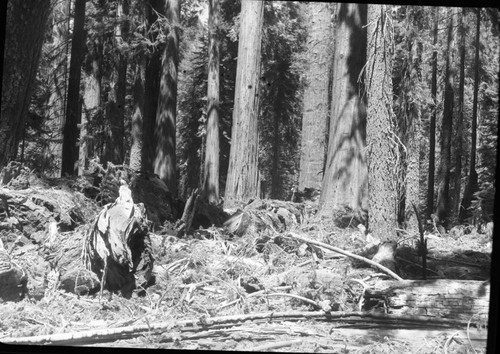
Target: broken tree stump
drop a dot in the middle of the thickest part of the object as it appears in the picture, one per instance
(442, 298)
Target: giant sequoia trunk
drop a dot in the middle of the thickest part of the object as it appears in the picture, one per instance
(242, 176)
(379, 128)
(432, 131)
(443, 206)
(69, 163)
(345, 178)
(211, 163)
(314, 119)
(25, 29)
(116, 102)
(164, 162)
(472, 181)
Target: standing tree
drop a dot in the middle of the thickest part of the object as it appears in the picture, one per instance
(164, 161)
(25, 29)
(472, 181)
(432, 133)
(345, 177)
(442, 211)
(211, 163)
(70, 131)
(315, 116)
(242, 176)
(380, 135)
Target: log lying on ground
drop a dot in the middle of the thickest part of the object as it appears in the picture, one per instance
(441, 298)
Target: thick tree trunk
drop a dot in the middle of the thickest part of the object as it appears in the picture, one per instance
(315, 116)
(242, 176)
(432, 132)
(116, 100)
(345, 178)
(472, 182)
(151, 89)
(69, 163)
(25, 29)
(457, 185)
(414, 48)
(59, 75)
(164, 162)
(137, 128)
(379, 129)
(443, 206)
(211, 163)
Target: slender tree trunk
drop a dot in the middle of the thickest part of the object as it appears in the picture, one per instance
(432, 133)
(379, 128)
(70, 131)
(414, 48)
(59, 75)
(24, 34)
(116, 101)
(211, 163)
(443, 206)
(242, 176)
(151, 89)
(315, 116)
(459, 143)
(345, 178)
(472, 182)
(164, 163)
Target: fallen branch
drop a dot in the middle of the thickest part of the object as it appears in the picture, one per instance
(276, 345)
(346, 253)
(112, 334)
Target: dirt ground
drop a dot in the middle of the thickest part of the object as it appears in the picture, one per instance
(261, 291)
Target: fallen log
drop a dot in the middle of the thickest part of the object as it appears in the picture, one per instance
(454, 299)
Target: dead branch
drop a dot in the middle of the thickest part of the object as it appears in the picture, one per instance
(346, 253)
(276, 345)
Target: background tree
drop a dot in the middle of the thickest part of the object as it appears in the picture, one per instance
(345, 178)
(164, 161)
(443, 206)
(315, 117)
(25, 29)
(211, 163)
(69, 163)
(380, 133)
(242, 177)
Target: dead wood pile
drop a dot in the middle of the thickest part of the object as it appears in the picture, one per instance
(118, 247)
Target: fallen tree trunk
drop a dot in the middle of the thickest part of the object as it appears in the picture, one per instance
(453, 299)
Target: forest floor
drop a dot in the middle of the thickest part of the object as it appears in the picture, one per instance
(214, 290)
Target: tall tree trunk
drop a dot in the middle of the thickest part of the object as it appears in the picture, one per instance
(345, 178)
(151, 89)
(211, 163)
(137, 128)
(118, 85)
(24, 34)
(459, 137)
(242, 176)
(412, 112)
(443, 207)
(59, 75)
(432, 133)
(69, 163)
(164, 163)
(91, 103)
(382, 177)
(315, 116)
(472, 181)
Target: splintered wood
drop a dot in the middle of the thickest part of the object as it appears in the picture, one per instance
(454, 299)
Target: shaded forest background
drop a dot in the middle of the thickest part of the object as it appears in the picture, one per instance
(443, 84)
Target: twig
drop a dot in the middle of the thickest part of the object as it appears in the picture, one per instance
(415, 264)
(349, 254)
(275, 345)
(448, 342)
